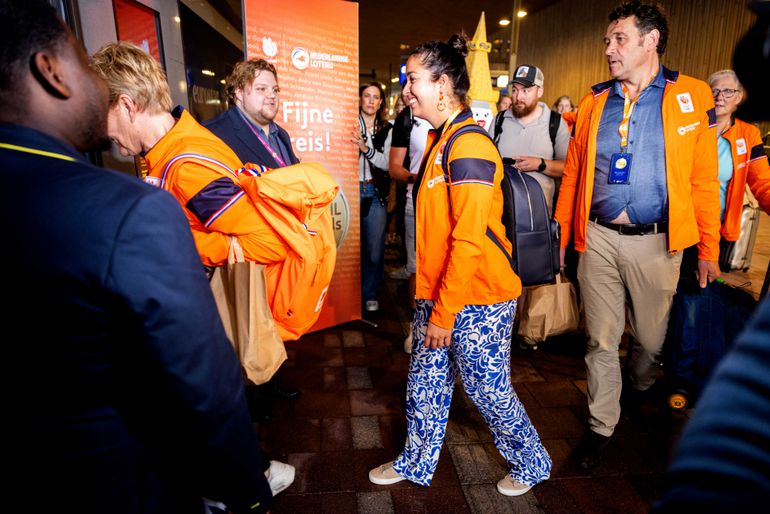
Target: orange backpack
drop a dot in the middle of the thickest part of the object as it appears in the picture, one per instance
(296, 200)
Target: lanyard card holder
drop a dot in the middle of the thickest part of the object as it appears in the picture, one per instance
(620, 166)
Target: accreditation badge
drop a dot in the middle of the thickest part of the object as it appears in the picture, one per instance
(620, 166)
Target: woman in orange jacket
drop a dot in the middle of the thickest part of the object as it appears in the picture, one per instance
(466, 288)
(742, 158)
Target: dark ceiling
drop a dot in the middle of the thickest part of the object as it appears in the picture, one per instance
(386, 25)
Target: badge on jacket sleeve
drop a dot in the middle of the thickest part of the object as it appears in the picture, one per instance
(153, 181)
(685, 102)
(740, 146)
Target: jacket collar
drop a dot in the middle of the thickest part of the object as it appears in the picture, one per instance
(33, 141)
(671, 77)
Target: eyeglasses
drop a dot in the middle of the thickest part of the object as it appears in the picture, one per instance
(727, 93)
(262, 90)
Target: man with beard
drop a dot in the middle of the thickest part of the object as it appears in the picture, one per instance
(524, 134)
(125, 393)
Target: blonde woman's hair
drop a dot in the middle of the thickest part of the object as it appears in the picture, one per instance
(129, 70)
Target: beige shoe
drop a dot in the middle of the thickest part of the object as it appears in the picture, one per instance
(385, 475)
(408, 341)
(510, 487)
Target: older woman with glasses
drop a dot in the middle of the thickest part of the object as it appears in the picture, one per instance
(742, 157)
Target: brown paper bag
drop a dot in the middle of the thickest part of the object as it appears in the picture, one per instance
(241, 297)
(548, 310)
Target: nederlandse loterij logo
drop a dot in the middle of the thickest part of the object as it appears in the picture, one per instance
(300, 58)
(269, 47)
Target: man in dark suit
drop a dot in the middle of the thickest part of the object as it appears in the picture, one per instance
(121, 390)
(248, 128)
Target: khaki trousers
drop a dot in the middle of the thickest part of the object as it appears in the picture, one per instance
(618, 273)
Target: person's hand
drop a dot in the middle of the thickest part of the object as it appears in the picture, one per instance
(358, 139)
(562, 254)
(527, 163)
(437, 337)
(708, 271)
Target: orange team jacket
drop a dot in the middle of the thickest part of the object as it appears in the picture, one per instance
(750, 165)
(689, 126)
(457, 262)
(200, 170)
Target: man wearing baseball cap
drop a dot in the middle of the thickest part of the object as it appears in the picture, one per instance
(530, 133)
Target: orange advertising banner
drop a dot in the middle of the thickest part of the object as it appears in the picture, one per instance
(314, 46)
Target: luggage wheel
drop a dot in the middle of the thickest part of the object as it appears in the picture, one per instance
(677, 400)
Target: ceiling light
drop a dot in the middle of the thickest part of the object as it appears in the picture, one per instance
(521, 14)
(394, 80)
(222, 81)
(208, 73)
(504, 22)
(177, 19)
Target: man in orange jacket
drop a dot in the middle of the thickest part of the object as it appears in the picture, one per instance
(640, 185)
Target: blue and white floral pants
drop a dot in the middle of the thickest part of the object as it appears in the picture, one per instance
(481, 352)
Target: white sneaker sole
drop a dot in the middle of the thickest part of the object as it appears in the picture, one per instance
(512, 492)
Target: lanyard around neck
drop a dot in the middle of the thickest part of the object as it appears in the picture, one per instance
(278, 159)
(628, 109)
(35, 151)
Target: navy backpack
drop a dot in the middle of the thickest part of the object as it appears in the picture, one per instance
(528, 224)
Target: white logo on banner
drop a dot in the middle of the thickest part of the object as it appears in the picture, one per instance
(269, 47)
(300, 58)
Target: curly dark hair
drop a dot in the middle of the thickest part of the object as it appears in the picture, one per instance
(243, 75)
(648, 16)
(447, 58)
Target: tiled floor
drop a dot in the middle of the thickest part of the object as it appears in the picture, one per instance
(350, 418)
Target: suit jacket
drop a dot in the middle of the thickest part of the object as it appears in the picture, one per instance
(233, 130)
(125, 394)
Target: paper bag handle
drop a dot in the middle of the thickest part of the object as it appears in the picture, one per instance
(235, 253)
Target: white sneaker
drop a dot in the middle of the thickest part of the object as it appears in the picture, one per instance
(510, 487)
(280, 476)
(385, 475)
(408, 341)
(372, 305)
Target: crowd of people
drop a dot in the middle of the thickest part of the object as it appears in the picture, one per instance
(151, 410)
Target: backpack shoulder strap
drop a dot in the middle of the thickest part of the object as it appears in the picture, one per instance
(462, 130)
(498, 126)
(553, 127)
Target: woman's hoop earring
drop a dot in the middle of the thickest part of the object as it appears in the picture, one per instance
(441, 104)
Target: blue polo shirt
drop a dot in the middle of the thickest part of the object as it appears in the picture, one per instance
(645, 197)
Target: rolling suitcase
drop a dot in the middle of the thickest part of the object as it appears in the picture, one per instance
(736, 255)
(702, 327)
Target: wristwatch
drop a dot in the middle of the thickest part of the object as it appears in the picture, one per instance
(541, 168)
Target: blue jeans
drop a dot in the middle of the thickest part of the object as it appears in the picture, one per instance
(373, 227)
